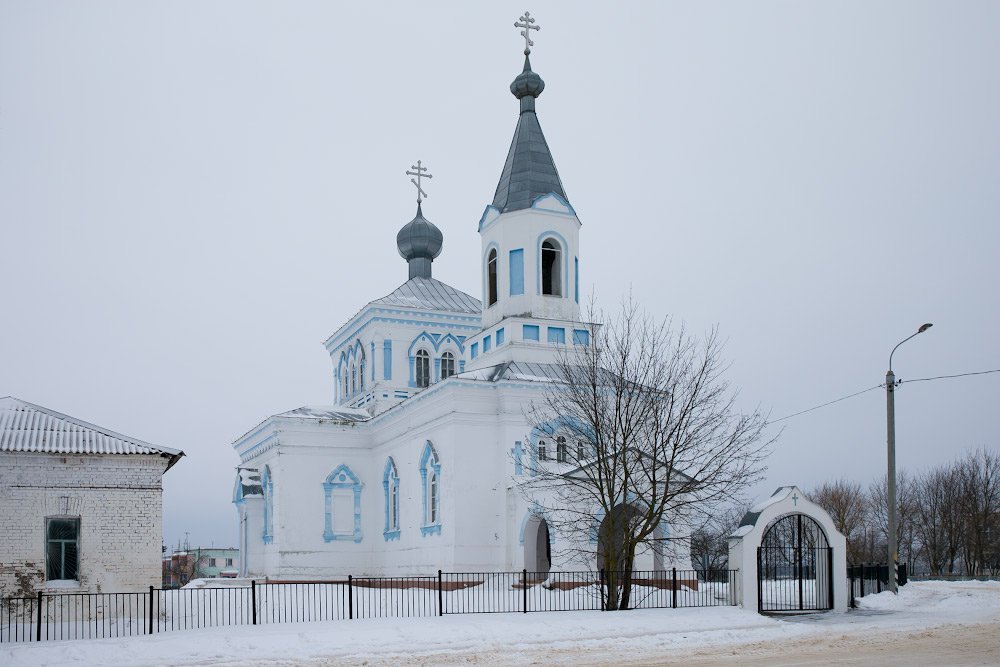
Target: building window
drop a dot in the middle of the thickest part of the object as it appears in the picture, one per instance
(354, 379)
(561, 449)
(499, 336)
(551, 273)
(580, 452)
(517, 272)
(390, 485)
(542, 454)
(423, 368)
(62, 553)
(557, 335)
(474, 351)
(361, 372)
(342, 497)
(447, 365)
(529, 332)
(344, 397)
(487, 344)
(229, 562)
(211, 562)
(491, 277)
(430, 477)
(581, 337)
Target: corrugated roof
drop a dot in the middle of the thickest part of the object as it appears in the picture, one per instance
(520, 371)
(26, 427)
(324, 413)
(431, 294)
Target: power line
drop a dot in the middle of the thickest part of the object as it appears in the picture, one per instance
(842, 398)
(944, 377)
(880, 386)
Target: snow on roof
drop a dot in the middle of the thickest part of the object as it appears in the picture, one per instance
(520, 371)
(249, 480)
(431, 294)
(328, 413)
(26, 427)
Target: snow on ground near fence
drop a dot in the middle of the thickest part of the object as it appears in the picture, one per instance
(589, 636)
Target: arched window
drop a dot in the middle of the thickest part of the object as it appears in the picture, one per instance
(354, 379)
(581, 452)
(423, 368)
(390, 484)
(361, 372)
(561, 449)
(447, 365)
(430, 476)
(267, 486)
(551, 271)
(491, 277)
(342, 505)
(542, 453)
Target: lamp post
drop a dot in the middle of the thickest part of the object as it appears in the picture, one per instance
(890, 414)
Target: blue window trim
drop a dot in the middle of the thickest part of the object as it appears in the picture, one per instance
(576, 279)
(387, 359)
(530, 332)
(516, 264)
(518, 453)
(429, 459)
(500, 336)
(564, 263)
(390, 480)
(487, 344)
(581, 337)
(342, 478)
(267, 485)
(474, 351)
(556, 335)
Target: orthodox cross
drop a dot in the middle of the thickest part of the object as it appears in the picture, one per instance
(526, 22)
(418, 171)
(795, 499)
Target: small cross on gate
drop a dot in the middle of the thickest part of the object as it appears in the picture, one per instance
(795, 500)
(526, 22)
(418, 171)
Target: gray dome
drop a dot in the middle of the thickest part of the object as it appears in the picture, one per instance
(527, 82)
(419, 238)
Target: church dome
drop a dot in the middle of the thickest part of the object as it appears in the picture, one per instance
(527, 82)
(419, 238)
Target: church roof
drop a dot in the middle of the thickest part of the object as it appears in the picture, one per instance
(26, 427)
(517, 371)
(529, 171)
(325, 413)
(430, 294)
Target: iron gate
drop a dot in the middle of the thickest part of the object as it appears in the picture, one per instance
(794, 566)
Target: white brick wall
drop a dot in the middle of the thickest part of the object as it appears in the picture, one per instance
(118, 501)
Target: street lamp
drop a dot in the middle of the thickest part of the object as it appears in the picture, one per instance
(890, 413)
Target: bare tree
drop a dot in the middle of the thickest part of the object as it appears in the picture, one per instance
(644, 429)
(847, 505)
(710, 542)
(906, 505)
(980, 501)
(938, 520)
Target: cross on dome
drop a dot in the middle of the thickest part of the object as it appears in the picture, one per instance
(527, 22)
(418, 171)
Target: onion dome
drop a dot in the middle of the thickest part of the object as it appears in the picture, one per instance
(527, 85)
(419, 242)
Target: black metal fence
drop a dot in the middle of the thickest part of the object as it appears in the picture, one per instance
(97, 615)
(872, 578)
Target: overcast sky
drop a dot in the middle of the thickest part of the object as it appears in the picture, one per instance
(194, 195)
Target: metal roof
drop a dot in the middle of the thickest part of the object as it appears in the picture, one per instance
(430, 294)
(529, 171)
(26, 427)
(323, 413)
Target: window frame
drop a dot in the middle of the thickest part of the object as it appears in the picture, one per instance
(61, 569)
(550, 259)
(422, 357)
(447, 365)
(492, 278)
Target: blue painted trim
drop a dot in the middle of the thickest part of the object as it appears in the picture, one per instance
(557, 197)
(500, 336)
(390, 483)
(536, 510)
(429, 459)
(576, 279)
(556, 335)
(430, 317)
(387, 359)
(486, 276)
(485, 212)
(518, 452)
(530, 332)
(564, 251)
(267, 485)
(474, 350)
(373, 361)
(437, 370)
(487, 344)
(581, 337)
(516, 264)
(342, 478)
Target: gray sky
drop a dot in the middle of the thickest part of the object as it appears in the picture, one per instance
(194, 195)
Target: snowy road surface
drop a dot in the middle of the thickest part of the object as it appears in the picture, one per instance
(930, 623)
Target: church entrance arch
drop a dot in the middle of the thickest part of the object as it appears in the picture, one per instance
(794, 566)
(537, 546)
(615, 526)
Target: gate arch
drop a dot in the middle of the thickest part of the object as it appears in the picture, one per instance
(794, 566)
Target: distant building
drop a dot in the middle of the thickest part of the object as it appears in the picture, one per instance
(181, 567)
(80, 505)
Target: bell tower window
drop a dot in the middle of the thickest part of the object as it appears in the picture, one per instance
(423, 368)
(551, 274)
(491, 277)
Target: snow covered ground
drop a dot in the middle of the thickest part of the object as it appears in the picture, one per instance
(929, 623)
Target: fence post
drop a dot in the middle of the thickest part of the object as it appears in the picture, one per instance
(38, 630)
(673, 587)
(440, 596)
(604, 600)
(350, 597)
(150, 610)
(524, 585)
(253, 600)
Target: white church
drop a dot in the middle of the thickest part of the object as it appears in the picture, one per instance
(420, 463)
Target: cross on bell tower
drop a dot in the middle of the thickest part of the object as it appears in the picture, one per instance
(527, 23)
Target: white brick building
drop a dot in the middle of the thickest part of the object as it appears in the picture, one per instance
(80, 505)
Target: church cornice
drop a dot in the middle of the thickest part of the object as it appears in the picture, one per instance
(404, 316)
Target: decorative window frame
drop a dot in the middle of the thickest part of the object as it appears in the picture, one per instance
(429, 461)
(390, 485)
(562, 264)
(341, 478)
(267, 486)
